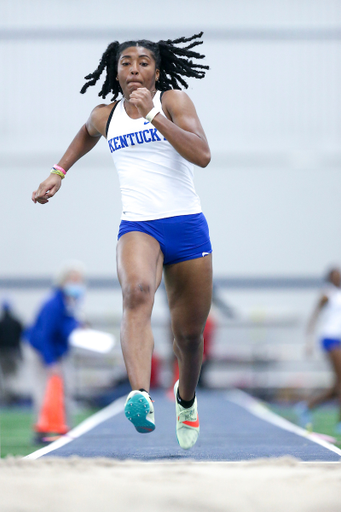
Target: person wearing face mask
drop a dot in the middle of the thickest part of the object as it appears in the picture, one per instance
(48, 338)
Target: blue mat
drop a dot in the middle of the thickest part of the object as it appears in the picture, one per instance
(229, 432)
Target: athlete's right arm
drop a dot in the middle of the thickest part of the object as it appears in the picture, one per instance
(85, 140)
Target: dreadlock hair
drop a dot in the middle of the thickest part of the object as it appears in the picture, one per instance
(173, 61)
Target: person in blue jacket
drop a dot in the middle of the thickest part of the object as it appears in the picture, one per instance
(53, 326)
(48, 337)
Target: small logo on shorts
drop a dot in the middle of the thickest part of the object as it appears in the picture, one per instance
(205, 254)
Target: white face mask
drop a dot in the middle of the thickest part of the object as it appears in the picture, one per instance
(74, 291)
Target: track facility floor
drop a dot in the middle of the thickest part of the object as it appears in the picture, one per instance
(234, 427)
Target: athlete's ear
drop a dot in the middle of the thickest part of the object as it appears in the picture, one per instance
(157, 75)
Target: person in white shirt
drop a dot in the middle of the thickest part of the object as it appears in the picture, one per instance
(328, 314)
(155, 137)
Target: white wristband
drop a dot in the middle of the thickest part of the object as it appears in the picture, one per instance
(150, 116)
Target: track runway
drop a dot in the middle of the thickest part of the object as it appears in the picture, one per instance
(234, 427)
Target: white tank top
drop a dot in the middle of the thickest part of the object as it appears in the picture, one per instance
(330, 326)
(156, 182)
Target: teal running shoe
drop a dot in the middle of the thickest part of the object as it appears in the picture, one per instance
(139, 409)
(337, 429)
(304, 415)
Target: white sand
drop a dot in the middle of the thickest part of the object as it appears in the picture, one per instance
(101, 485)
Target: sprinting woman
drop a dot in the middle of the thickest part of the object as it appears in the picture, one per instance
(155, 137)
(328, 311)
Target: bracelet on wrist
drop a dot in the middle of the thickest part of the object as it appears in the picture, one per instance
(150, 116)
(56, 169)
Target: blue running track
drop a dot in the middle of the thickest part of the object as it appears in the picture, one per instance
(230, 431)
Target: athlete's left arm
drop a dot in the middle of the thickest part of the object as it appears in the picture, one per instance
(183, 130)
(181, 127)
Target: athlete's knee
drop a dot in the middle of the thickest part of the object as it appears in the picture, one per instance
(188, 339)
(137, 294)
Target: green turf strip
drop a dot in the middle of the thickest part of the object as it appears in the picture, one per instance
(16, 434)
(324, 419)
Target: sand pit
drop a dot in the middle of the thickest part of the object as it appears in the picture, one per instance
(84, 485)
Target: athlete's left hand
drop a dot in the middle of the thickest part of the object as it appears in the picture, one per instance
(141, 98)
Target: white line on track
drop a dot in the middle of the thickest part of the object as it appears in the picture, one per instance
(86, 425)
(258, 409)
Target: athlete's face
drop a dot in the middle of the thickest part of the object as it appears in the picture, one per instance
(136, 68)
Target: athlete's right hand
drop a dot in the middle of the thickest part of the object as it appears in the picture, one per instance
(47, 189)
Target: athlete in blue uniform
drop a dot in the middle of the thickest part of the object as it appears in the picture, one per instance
(155, 142)
(328, 313)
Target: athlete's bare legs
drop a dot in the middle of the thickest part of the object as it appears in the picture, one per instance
(139, 268)
(189, 291)
(335, 390)
(335, 357)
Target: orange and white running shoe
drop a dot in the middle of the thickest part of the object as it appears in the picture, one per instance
(139, 409)
(187, 422)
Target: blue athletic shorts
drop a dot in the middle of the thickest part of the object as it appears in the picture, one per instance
(329, 344)
(181, 238)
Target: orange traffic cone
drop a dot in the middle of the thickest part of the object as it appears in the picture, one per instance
(52, 415)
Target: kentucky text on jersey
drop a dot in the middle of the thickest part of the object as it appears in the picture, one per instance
(131, 139)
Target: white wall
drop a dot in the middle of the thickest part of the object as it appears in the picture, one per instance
(270, 106)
